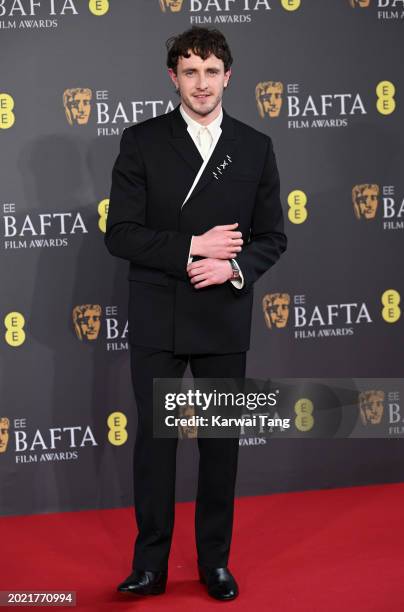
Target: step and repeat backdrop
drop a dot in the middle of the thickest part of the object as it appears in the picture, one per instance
(325, 81)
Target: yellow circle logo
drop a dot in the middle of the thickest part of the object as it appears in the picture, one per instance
(15, 334)
(98, 7)
(117, 434)
(385, 91)
(297, 212)
(391, 311)
(7, 117)
(291, 5)
(304, 420)
(103, 213)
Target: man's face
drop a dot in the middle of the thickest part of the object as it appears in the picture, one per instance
(173, 5)
(366, 202)
(90, 324)
(277, 311)
(80, 107)
(271, 99)
(4, 427)
(372, 408)
(360, 3)
(200, 83)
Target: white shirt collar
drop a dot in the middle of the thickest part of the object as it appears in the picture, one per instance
(194, 126)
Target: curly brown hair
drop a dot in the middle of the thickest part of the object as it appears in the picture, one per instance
(202, 42)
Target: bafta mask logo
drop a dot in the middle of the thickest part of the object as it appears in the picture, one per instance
(371, 407)
(268, 95)
(87, 321)
(77, 103)
(173, 5)
(187, 431)
(4, 433)
(359, 3)
(365, 200)
(276, 309)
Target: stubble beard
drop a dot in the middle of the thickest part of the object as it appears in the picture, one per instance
(202, 112)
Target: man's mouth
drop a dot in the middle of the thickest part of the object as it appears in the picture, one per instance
(201, 96)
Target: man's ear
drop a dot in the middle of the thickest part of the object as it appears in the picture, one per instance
(173, 77)
(227, 76)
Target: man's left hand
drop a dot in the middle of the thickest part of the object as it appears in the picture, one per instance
(209, 271)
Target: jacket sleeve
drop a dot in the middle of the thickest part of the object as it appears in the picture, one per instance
(127, 235)
(267, 240)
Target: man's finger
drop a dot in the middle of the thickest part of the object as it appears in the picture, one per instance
(194, 273)
(233, 235)
(227, 227)
(204, 283)
(198, 277)
(195, 266)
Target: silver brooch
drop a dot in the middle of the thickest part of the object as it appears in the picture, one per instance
(221, 167)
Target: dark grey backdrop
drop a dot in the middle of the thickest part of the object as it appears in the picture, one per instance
(53, 380)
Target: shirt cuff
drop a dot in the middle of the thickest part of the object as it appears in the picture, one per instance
(238, 282)
(189, 252)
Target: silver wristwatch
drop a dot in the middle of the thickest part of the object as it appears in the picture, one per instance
(235, 270)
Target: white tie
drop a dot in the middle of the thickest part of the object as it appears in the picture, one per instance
(205, 141)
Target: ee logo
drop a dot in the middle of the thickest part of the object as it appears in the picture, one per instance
(290, 5)
(297, 201)
(385, 91)
(391, 311)
(14, 323)
(117, 434)
(103, 213)
(304, 420)
(7, 117)
(98, 7)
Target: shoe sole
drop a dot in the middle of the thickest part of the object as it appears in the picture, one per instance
(154, 591)
(203, 581)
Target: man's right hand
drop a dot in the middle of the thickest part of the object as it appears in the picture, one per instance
(220, 242)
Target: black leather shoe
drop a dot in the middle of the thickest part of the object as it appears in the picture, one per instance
(219, 581)
(144, 582)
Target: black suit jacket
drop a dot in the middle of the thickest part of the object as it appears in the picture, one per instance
(152, 175)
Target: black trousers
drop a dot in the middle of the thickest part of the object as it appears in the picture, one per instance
(154, 465)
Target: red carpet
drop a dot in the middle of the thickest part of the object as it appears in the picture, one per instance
(336, 550)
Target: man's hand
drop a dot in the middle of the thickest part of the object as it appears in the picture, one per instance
(209, 271)
(220, 242)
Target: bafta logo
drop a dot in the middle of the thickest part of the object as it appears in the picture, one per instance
(359, 3)
(365, 200)
(4, 433)
(87, 321)
(371, 407)
(173, 5)
(268, 95)
(276, 309)
(187, 431)
(77, 104)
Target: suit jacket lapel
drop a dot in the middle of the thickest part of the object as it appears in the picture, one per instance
(225, 149)
(182, 142)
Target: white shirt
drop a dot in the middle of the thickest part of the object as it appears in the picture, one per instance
(214, 130)
(194, 128)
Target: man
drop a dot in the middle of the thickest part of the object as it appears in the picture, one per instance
(192, 192)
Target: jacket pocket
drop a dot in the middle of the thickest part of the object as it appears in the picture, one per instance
(147, 275)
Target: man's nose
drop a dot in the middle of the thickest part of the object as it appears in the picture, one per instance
(202, 82)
